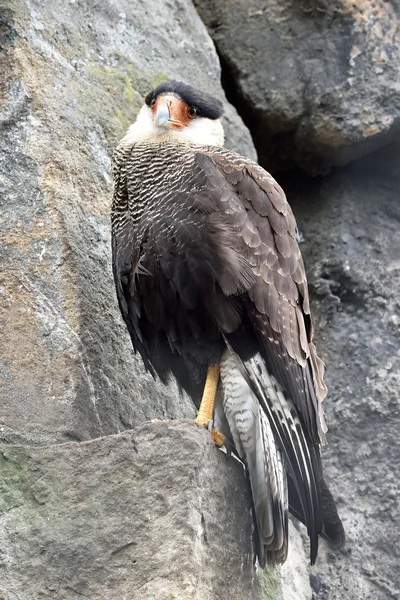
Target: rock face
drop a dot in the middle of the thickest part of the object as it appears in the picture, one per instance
(350, 225)
(76, 74)
(101, 518)
(135, 515)
(316, 81)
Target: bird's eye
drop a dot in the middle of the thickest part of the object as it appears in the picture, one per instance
(152, 103)
(192, 112)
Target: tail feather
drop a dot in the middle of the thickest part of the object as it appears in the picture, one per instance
(256, 445)
(289, 439)
(296, 448)
(284, 464)
(332, 527)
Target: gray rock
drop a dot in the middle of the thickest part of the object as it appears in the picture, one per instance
(316, 81)
(138, 515)
(350, 224)
(76, 73)
(294, 579)
(72, 513)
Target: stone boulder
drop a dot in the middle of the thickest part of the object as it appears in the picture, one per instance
(316, 81)
(138, 515)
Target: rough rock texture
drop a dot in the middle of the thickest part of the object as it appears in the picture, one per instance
(135, 515)
(351, 228)
(74, 517)
(75, 76)
(316, 81)
(293, 574)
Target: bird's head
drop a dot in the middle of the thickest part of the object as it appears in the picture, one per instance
(176, 110)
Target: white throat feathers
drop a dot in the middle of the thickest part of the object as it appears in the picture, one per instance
(201, 131)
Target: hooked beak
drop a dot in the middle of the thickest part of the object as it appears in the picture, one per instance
(162, 115)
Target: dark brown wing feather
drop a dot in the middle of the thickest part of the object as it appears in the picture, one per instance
(277, 305)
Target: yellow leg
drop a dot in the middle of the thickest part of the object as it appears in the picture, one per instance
(205, 414)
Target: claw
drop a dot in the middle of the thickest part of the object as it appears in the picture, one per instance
(218, 437)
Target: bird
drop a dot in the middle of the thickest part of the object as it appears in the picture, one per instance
(212, 287)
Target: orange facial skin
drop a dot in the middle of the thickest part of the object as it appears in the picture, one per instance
(180, 114)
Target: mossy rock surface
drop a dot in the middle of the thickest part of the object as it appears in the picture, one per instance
(136, 513)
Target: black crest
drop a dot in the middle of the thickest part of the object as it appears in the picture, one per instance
(206, 105)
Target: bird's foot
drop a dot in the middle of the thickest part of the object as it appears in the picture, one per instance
(217, 435)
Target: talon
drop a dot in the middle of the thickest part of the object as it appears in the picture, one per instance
(218, 437)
